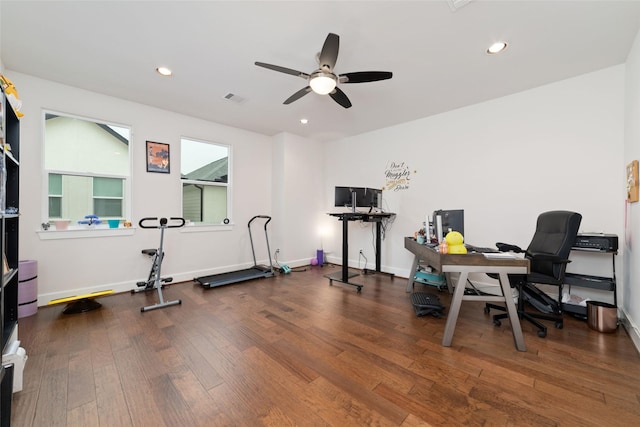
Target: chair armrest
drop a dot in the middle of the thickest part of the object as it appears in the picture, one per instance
(548, 257)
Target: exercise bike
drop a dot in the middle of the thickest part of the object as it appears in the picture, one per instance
(155, 280)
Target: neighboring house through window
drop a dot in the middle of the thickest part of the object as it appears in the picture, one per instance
(204, 169)
(87, 168)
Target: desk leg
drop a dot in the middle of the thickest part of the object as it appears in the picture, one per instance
(343, 275)
(412, 273)
(512, 310)
(447, 280)
(345, 250)
(452, 317)
(378, 249)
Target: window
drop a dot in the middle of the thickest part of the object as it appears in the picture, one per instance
(204, 169)
(87, 167)
(107, 197)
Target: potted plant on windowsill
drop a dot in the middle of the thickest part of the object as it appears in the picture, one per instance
(61, 224)
(90, 220)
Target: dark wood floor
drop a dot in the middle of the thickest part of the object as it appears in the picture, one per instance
(293, 350)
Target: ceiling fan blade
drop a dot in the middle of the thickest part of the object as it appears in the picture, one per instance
(283, 70)
(365, 76)
(329, 53)
(340, 97)
(299, 94)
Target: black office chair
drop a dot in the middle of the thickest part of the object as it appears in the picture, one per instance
(548, 254)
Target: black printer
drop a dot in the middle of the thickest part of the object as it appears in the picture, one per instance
(596, 242)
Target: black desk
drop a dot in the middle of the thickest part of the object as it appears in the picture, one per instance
(344, 275)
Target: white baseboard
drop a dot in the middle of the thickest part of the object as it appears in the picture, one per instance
(631, 328)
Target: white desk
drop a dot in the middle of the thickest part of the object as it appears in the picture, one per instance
(465, 264)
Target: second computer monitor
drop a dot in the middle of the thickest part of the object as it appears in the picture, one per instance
(364, 197)
(452, 219)
(373, 197)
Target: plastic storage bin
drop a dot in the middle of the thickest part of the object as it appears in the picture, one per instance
(18, 356)
(27, 288)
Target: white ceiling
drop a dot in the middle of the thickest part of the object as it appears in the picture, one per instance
(437, 56)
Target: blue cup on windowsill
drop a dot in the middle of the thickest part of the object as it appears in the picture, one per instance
(114, 223)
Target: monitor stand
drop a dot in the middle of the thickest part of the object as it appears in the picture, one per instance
(353, 202)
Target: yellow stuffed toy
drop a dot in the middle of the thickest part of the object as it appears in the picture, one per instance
(12, 94)
(456, 243)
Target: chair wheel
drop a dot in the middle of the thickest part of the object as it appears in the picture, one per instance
(497, 322)
(542, 334)
(559, 324)
(487, 310)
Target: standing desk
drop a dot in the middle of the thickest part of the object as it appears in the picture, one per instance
(344, 274)
(465, 264)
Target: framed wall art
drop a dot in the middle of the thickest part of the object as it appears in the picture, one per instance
(158, 157)
(632, 181)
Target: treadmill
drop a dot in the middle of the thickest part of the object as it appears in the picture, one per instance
(255, 272)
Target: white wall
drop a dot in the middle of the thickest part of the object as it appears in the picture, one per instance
(559, 146)
(70, 266)
(298, 198)
(631, 271)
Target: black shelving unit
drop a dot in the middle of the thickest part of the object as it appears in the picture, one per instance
(602, 283)
(9, 212)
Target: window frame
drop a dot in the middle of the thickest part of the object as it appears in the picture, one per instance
(127, 199)
(228, 185)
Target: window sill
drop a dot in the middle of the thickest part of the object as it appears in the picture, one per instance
(199, 228)
(84, 233)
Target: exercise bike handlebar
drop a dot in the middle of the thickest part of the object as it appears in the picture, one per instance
(162, 223)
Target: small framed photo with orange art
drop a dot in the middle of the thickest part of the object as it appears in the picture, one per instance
(158, 157)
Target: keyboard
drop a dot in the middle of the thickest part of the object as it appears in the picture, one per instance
(480, 249)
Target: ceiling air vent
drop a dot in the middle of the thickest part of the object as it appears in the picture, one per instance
(457, 4)
(235, 98)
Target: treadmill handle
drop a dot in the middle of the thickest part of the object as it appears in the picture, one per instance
(267, 217)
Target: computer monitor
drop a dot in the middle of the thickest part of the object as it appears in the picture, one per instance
(373, 198)
(347, 196)
(364, 197)
(452, 219)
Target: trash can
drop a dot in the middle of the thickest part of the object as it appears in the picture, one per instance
(27, 288)
(602, 316)
(18, 356)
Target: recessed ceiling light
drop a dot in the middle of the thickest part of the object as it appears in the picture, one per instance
(164, 71)
(304, 121)
(497, 47)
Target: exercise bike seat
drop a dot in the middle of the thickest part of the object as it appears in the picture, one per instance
(150, 252)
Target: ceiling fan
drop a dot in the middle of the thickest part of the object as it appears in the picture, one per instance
(324, 81)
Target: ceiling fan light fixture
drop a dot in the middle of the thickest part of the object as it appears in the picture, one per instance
(322, 83)
(323, 80)
(497, 47)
